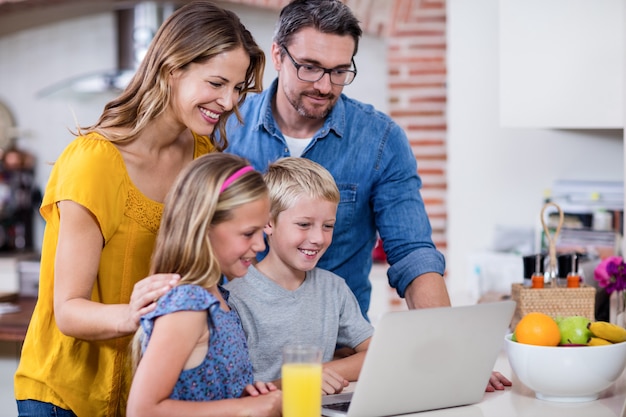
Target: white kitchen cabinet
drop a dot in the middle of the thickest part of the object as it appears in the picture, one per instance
(561, 63)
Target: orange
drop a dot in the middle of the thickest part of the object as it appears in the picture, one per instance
(538, 329)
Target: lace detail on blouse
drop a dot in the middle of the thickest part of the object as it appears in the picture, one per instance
(144, 211)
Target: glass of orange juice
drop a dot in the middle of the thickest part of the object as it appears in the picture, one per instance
(302, 381)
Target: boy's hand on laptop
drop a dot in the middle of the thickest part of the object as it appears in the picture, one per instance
(497, 381)
(332, 382)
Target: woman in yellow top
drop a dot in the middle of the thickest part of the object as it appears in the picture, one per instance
(103, 205)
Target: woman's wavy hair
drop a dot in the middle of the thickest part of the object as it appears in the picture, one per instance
(192, 207)
(194, 33)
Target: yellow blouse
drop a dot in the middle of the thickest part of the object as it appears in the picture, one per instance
(90, 378)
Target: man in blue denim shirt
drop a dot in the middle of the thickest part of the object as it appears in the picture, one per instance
(304, 113)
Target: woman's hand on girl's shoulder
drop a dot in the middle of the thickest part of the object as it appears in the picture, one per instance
(145, 295)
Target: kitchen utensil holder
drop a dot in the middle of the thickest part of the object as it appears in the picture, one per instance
(553, 301)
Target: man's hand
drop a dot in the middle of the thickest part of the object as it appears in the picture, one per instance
(497, 381)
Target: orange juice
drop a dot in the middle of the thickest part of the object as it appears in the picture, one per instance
(302, 389)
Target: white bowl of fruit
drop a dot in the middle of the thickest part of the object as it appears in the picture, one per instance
(569, 359)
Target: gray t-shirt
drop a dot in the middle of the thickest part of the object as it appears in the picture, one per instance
(322, 311)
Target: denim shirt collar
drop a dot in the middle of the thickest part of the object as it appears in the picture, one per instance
(335, 121)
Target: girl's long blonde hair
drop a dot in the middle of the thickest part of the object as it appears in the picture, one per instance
(192, 207)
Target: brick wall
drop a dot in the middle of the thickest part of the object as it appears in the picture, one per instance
(416, 34)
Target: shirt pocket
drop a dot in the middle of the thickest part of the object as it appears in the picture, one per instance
(347, 205)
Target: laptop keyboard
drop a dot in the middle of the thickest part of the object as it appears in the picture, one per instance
(338, 406)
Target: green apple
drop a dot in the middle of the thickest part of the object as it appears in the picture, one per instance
(574, 330)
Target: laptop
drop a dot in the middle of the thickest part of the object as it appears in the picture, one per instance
(426, 359)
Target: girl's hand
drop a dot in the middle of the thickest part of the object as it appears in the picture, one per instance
(258, 388)
(267, 405)
(332, 382)
(144, 296)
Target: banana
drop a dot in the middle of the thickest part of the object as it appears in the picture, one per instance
(596, 341)
(608, 331)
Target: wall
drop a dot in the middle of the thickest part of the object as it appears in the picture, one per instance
(418, 97)
(497, 176)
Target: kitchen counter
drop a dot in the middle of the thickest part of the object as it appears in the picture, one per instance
(520, 401)
(13, 325)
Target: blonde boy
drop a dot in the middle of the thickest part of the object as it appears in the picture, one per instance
(285, 298)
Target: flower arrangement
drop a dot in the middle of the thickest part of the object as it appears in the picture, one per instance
(611, 274)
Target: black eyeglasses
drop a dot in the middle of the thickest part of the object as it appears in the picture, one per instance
(312, 73)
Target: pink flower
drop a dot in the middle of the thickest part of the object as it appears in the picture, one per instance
(611, 274)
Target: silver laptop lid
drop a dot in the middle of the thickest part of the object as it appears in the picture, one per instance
(430, 359)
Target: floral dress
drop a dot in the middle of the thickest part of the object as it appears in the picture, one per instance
(226, 368)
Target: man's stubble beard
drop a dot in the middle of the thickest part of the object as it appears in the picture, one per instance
(297, 104)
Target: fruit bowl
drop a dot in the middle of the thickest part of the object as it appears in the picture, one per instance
(566, 373)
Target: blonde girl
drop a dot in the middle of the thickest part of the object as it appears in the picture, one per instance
(191, 350)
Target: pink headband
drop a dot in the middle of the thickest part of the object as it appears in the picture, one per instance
(235, 176)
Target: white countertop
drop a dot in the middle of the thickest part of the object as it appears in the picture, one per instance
(518, 401)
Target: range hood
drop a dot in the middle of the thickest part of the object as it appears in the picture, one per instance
(136, 27)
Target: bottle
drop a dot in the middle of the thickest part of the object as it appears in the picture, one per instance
(530, 267)
(537, 278)
(573, 279)
(537, 281)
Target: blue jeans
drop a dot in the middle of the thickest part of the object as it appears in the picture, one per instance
(32, 408)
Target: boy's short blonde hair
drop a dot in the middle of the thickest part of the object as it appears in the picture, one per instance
(291, 177)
